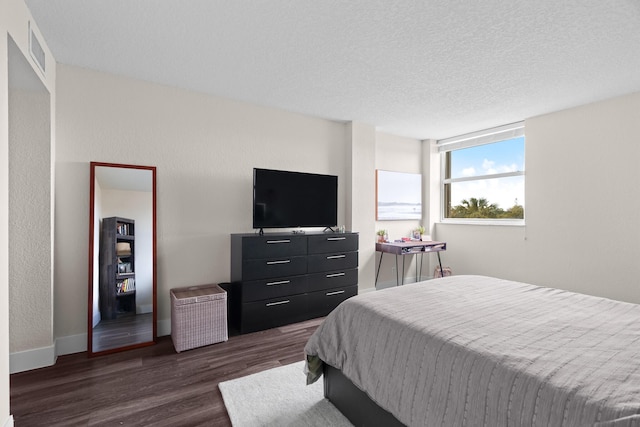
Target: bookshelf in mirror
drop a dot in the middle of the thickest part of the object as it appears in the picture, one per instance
(117, 268)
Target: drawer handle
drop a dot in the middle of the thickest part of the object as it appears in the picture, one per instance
(274, 242)
(284, 261)
(271, 304)
(329, 276)
(332, 239)
(282, 282)
(334, 293)
(336, 256)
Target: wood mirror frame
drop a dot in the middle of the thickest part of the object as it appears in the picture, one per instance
(138, 332)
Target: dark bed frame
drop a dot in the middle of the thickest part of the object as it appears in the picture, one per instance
(353, 402)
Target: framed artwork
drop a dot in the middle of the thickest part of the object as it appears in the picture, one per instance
(398, 195)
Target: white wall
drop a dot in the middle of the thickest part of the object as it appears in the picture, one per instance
(30, 251)
(204, 149)
(14, 23)
(5, 417)
(361, 199)
(399, 154)
(489, 250)
(582, 228)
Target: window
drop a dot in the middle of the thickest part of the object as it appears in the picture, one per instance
(483, 175)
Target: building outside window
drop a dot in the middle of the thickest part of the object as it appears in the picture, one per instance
(483, 176)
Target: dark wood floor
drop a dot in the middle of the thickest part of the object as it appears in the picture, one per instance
(152, 385)
(123, 331)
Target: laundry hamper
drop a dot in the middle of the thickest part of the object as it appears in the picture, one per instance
(198, 316)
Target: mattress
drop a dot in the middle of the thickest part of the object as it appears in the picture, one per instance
(475, 350)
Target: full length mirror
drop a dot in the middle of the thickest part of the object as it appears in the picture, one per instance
(122, 258)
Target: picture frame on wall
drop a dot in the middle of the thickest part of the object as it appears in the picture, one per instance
(398, 196)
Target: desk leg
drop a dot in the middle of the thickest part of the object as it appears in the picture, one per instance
(378, 272)
(397, 271)
(403, 269)
(440, 263)
(421, 257)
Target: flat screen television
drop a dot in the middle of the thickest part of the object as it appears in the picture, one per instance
(284, 199)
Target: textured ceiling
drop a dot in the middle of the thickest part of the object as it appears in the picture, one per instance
(424, 69)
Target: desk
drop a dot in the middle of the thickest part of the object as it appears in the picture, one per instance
(409, 248)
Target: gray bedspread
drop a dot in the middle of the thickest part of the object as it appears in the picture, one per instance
(480, 351)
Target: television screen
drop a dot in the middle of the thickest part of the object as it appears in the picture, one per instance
(283, 199)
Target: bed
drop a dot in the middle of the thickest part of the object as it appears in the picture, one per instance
(475, 350)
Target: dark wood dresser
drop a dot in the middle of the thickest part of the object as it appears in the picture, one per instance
(282, 278)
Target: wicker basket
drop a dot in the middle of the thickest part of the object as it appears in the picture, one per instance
(198, 316)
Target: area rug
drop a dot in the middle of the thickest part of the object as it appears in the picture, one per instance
(279, 397)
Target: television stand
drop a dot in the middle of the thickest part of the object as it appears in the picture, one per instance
(282, 278)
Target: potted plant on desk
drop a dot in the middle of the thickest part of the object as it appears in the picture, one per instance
(382, 236)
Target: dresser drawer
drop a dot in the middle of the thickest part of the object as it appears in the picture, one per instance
(332, 262)
(273, 288)
(271, 247)
(332, 279)
(253, 269)
(272, 313)
(323, 302)
(332, 242)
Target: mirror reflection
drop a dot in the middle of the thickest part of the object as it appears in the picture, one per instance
(122, 245)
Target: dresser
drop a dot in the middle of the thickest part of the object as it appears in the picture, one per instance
(282, 278)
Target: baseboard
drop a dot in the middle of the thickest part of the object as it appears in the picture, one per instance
(144, 308)
(96, 318)
(46, 356)
(32, 359)
(164, 327)
(71, 344)
(9, 421)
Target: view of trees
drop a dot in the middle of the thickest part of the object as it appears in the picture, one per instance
(481, 208)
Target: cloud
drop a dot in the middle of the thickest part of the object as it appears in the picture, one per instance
(510, 168)
(487, 165)
(469, 171)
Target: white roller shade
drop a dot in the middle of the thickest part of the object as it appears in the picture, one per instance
(488, 136)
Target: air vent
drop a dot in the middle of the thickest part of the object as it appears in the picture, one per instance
(37, 53)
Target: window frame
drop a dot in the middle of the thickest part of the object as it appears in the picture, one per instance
(475, 139)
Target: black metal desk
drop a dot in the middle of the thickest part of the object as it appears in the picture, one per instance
(409, 248)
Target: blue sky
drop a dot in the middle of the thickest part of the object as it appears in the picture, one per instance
(504, 156)
(501, 157)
